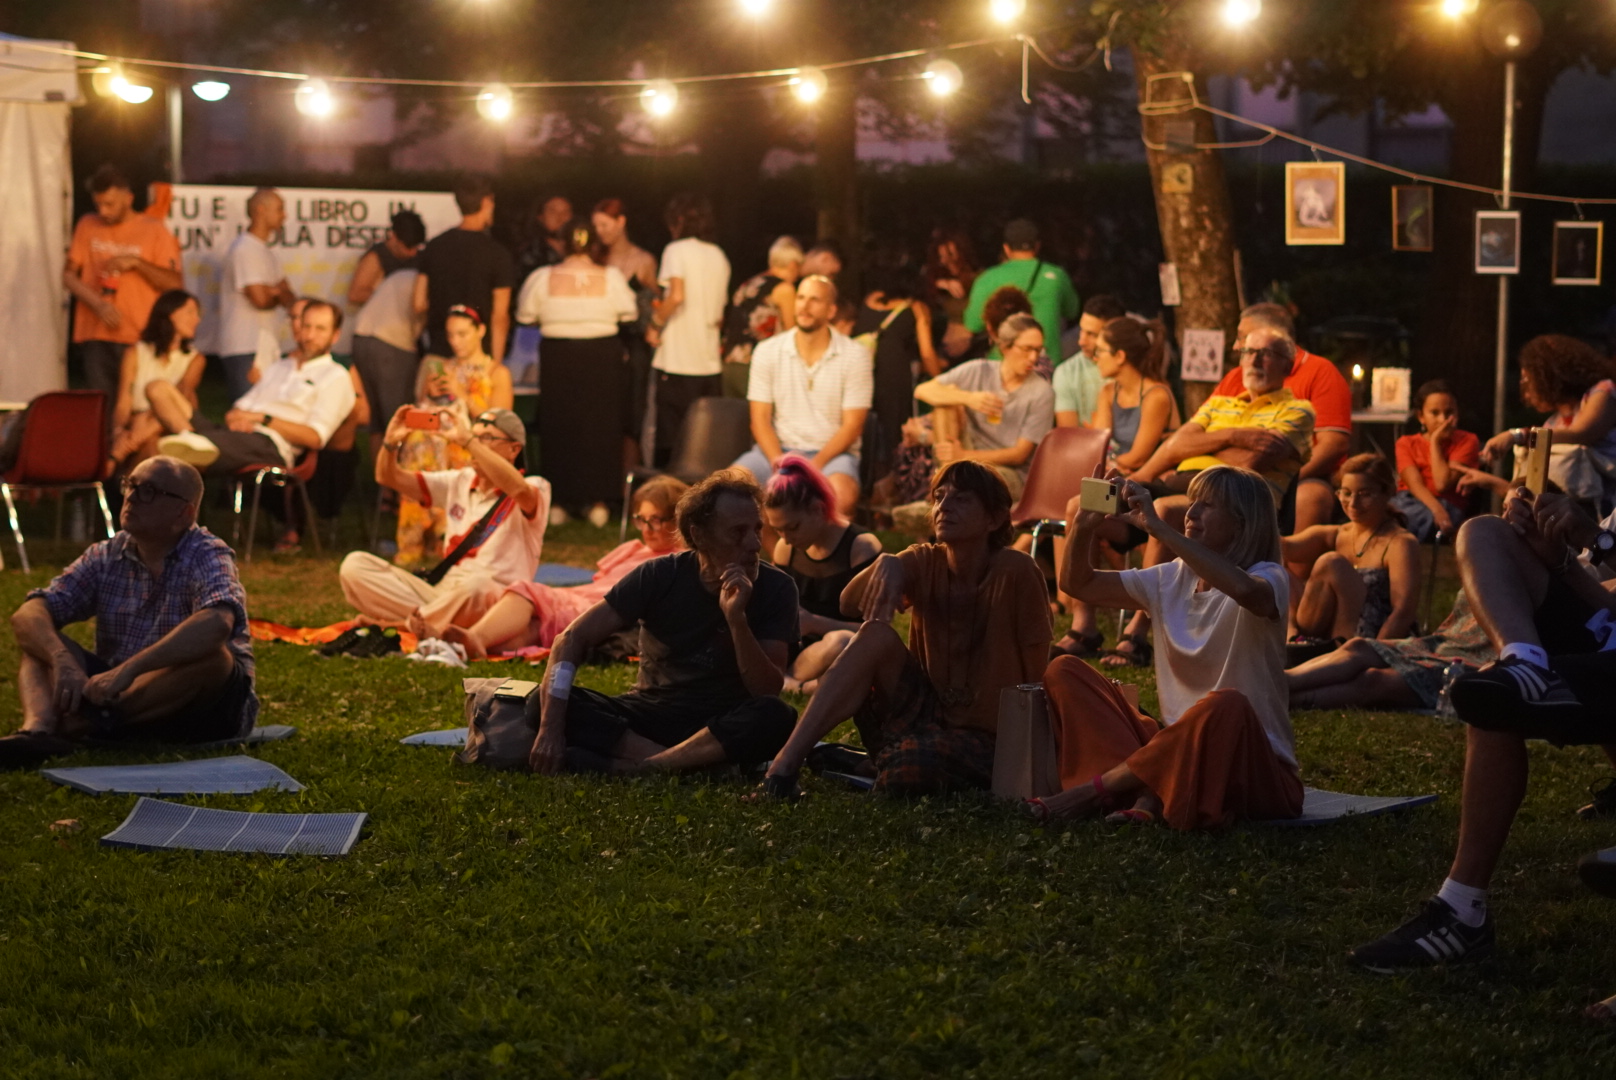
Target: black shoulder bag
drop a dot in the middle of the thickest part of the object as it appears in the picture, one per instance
(477, 535)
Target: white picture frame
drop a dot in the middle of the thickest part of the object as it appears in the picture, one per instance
(1498, 242)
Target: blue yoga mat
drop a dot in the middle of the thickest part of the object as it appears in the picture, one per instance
(239, 775)
(455, 736)
(561, 576)
(1323, 807)
(155, 825)
(266, 733)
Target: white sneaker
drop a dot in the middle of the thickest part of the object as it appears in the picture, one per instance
(189, 447)
(559, 516)
(599, 516)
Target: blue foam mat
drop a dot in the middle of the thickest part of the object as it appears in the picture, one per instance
(562, 576)
(262, 734)
(155, 825)
(238, 775)
(1323, 807)
(447, 737)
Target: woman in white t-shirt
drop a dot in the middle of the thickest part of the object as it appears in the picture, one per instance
(164, 353)
(577, 305)
(1223, 750)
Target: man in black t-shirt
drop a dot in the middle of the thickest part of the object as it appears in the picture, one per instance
(467, 266)
(716, 626)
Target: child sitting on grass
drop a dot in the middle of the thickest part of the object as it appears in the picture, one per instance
(1430, 465)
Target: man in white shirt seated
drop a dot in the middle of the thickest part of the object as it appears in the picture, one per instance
(810, 391)
(295, 406)
(495, 535)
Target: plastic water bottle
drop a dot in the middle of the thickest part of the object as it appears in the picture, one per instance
(1444, 700)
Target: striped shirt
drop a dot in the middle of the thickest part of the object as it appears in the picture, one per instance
(809, 401)
(133, 611)
(1280, 411)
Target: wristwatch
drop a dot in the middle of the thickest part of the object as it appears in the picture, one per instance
(1603, 545)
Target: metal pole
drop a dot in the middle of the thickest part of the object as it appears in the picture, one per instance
(176, 132)
(1501, 357)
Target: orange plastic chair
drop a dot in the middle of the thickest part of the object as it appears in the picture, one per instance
(64, 448)
(296, 477)
(1059, 464)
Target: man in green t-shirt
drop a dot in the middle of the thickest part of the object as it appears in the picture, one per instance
(1054, 301)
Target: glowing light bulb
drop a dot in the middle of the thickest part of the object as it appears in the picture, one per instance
(1357, 371)
(943, 77)
(1241, 12)
(495, 102)
(809, 85)
(313, 98)
(1007, 11)
(211, 90)
(756, 8)
(133, 93)
(1458, 9)
(660, 97)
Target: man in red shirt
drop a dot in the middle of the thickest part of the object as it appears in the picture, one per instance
(119, 263)
(1315, 380)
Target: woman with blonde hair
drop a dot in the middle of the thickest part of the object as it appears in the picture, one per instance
(1223, 749)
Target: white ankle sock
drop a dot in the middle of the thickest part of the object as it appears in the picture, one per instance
(1469, 904)
(1534, 653)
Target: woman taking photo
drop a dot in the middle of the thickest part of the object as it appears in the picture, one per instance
(468, 384)
(821, 552)
(578, 304)
(1365, 576)
(1223, 750)
(163, 353)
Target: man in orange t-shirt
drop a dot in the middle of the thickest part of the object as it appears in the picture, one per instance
(1315, 380)
(119, 263)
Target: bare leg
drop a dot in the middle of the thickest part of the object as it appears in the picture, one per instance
(1504, 581)
(816, 659)
(506, 620)
(1084, 799)
(1315, 502)
(1343, 665)
(1494, 785)
(161, 693)
(37, 690)
(169, 405)
(699, 751)
(1332, 600)
(1377, 686)
(875, 655)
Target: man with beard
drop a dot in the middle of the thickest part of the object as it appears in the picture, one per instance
(716, 627)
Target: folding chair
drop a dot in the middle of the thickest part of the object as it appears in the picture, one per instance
(1059, 464)
(715, 432)
(64, 448)
(297, 477)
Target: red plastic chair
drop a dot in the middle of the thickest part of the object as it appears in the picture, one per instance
(1063, 458)
(296, 477)
(64, 448)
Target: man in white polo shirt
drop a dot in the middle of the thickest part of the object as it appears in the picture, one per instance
(295, 406)
(810, 391)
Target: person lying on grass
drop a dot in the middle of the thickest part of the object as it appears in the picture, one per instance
(531, 613)
(1551, 621)
(716, 624)
(173, 660)
(496, 517)
(979, 622)
(1223, 750)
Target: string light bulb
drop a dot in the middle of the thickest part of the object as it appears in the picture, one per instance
(133, 93)
(111, 81)
(660, 97)
(756, 8)
(1241, 12)
(1458, 9)
(943, 77)
(1007, 11)
(313, 98)
(809, 84)
(495, 102)
(211, 90)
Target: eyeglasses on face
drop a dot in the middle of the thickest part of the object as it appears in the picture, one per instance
(1348, 495)
(144, 491)
(652, 522)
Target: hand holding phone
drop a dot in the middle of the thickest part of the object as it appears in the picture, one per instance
(1539, 441)
(1099, 496)
(421, 420)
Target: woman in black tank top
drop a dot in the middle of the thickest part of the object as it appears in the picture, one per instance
(821, 552)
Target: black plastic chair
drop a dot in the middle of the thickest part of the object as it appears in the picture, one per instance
(715, 432)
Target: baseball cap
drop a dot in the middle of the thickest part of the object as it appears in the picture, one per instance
(509, 424)
(1020, 235)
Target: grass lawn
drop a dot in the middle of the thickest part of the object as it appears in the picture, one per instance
(490, 923)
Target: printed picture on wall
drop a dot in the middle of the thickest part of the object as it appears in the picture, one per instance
(1579, 252)
(1498, 241)
(1315, 202)
(1411, 217)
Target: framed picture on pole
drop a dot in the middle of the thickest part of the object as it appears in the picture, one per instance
(1411, 217)
(1498, 241)
(1579, 252)
(1315, 202)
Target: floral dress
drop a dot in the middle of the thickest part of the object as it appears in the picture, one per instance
(420, 530)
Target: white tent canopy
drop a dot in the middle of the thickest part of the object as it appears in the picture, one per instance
(37, 93)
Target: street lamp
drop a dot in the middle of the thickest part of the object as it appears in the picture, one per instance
(1510, 31)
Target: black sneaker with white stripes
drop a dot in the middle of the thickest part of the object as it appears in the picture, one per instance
(1506, 693)
(1434, 936)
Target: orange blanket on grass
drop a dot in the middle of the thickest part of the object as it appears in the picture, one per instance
(264, 630)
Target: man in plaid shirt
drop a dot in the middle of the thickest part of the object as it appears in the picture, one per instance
(172, 662)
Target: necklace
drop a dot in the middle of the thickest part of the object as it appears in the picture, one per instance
(1373, 533)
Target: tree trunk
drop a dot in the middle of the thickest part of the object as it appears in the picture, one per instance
(1197, 227)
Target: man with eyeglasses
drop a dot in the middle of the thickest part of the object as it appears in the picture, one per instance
(495, 527)
(172, 660)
